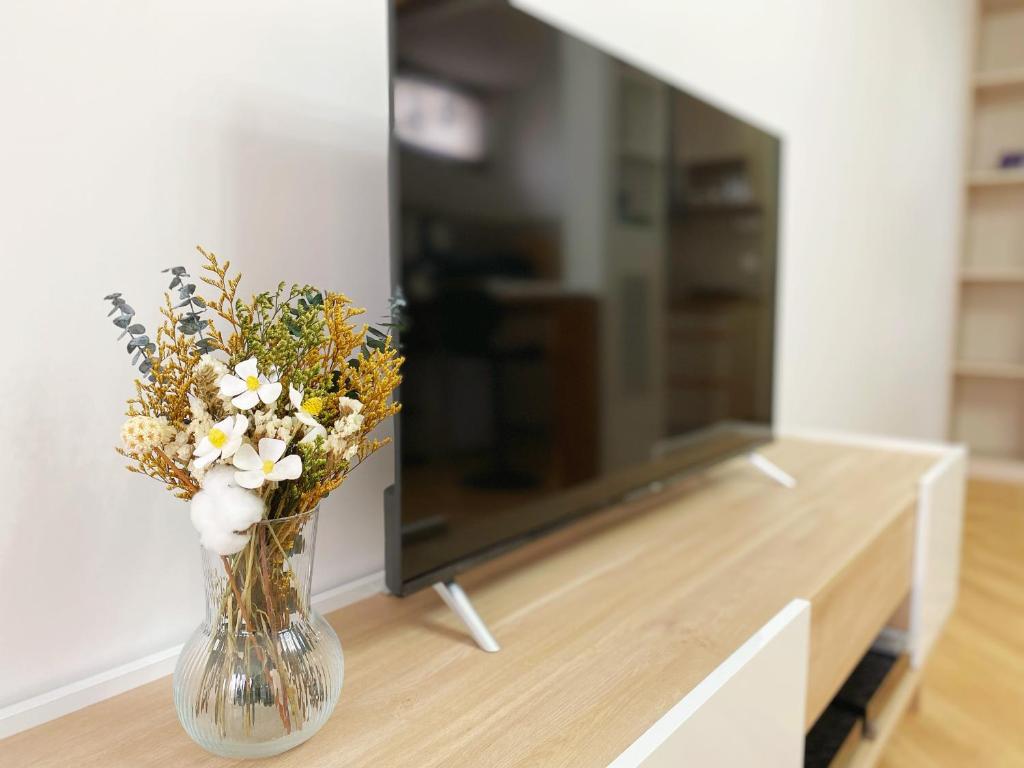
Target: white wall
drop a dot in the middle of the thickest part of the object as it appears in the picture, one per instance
(132, 130)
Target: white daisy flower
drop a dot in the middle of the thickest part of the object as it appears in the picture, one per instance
(306, 412)
(223, 439)
(249, 386)
(255, 469)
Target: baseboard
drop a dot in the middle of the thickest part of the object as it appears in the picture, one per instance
(36, 710)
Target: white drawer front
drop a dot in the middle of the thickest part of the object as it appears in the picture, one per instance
(749, 711)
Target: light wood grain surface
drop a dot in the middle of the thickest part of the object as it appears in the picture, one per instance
(857, 601)
(604, 626)
(971, 705)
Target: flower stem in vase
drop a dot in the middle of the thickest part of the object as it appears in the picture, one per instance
(285, 700)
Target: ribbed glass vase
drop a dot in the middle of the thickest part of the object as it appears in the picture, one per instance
(264, 670)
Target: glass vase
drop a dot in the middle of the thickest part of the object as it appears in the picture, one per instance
(263, 672)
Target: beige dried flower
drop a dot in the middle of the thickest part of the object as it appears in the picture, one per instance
(180, 448)
(141, 434)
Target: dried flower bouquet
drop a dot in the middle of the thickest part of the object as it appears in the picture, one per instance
(254, 411)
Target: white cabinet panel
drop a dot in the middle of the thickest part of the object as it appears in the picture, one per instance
(940, 511)
(749, 711)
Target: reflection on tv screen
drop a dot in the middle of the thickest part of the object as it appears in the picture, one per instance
(588, 256)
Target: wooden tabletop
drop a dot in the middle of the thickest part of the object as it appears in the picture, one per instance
(604, 626)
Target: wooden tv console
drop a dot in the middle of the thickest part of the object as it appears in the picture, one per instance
(708, 626)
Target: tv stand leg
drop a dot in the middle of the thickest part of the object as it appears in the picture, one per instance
(771, 469)
(458, 601)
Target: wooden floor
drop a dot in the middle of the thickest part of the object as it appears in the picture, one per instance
(971, 706)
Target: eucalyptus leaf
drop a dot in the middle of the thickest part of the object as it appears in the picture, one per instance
(139, 346)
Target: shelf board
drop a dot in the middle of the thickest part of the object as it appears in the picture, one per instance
(1000, 78)
(992, 275)
(1002, 5)
(986, 370)
(869, 751)
(1003, 469)
(996, 178)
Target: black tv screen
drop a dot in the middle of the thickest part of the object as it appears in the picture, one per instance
(588, 257)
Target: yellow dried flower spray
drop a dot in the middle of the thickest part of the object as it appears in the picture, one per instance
(216, 357)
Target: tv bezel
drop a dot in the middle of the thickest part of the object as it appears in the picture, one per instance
(394, 579)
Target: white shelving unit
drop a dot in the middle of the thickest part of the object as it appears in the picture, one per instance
(988, 370)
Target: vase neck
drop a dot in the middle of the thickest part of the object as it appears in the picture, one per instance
(266, 585)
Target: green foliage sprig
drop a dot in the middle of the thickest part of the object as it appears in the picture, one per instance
(190, 322)
(281, 329)
(139, 345)
(397, 319)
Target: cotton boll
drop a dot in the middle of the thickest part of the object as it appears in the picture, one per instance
(201, 511)
(240, 508)
(221, 508)
(224, 543)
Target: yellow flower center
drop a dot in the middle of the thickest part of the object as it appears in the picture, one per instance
(313, 406)
(268, 467)
(217, 438)
(252, 383)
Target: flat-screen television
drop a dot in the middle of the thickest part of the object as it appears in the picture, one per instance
(587, 253)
